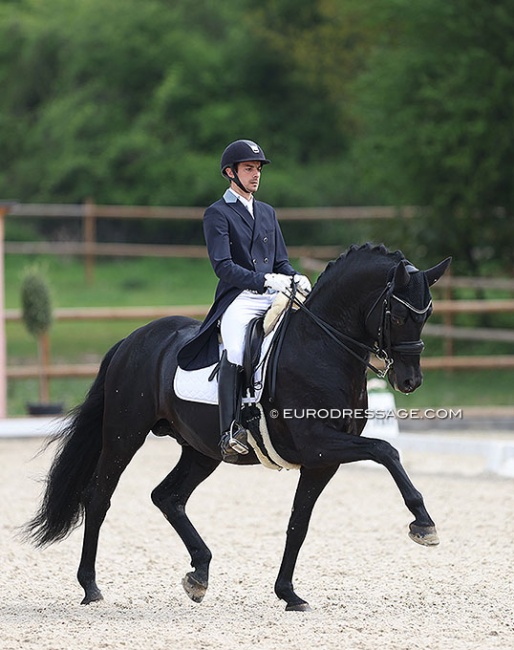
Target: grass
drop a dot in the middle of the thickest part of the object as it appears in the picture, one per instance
(130, 283)
(447, 388)
(164, 282)
(127, 282)
(121, 283)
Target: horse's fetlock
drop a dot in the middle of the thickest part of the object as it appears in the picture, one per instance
(283, 589)
(415, 501)
(201, 559)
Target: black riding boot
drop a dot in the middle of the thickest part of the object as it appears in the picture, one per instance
(233, 436)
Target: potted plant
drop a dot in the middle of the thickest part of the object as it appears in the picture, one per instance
(37, 316)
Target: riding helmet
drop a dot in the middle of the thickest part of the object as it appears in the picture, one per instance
(242, 151)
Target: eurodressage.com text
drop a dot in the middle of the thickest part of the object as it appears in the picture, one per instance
(368, 414)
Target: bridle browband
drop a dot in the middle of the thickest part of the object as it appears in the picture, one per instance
(383, 348)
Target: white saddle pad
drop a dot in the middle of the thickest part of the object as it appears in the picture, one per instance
(194, 385)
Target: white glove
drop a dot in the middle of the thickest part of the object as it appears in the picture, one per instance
(303, 282)
(278, 282)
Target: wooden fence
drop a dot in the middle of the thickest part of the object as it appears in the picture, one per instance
(146, 314)
(310, 256)
(89, 213)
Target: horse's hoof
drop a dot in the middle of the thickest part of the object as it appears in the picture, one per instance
(424, 535)
(299, 607)
(92, 597)
(194, 589)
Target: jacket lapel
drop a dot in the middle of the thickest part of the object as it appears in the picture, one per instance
(242, 212)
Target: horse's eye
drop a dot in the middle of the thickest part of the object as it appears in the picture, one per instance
(397, 320)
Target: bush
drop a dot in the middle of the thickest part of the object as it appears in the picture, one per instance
(36, 302)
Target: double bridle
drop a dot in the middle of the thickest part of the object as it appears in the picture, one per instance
(383, 347)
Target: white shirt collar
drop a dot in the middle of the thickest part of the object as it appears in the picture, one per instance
(231, 197)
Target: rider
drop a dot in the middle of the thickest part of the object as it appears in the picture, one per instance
(249, 256)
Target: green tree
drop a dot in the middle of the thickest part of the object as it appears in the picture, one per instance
(118, 100)
(311, 53)
(133, 102)
(398, 102)
(435, 111)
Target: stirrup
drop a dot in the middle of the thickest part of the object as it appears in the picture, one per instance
(235, 439)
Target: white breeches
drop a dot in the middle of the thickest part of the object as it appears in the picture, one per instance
(235, 320)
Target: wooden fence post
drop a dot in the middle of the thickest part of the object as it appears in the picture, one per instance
(89, 235)
(3, 348)
(5, 207)
(448, 317)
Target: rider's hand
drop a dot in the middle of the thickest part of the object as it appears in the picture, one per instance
(278, 282)
(303, 282)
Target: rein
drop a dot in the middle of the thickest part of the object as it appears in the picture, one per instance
(383, 348)
(340, 338)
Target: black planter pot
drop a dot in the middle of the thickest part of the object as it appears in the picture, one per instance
(45, 409)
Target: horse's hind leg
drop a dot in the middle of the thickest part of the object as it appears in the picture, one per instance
(171, 497)
(97, 500)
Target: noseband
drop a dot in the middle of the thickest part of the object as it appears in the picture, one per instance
(383, 349)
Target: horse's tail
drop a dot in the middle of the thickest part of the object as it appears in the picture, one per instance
(80, 444)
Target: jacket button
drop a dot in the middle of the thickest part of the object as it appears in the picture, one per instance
(254, 261)
(265, 239)
(265, 260)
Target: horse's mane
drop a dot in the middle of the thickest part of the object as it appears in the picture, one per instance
(368, 249)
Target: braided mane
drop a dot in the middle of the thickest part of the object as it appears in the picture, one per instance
(378, 250)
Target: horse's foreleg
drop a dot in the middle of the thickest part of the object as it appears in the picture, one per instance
(346, 448)
(422, 530)
(171, 497)
(311, 484)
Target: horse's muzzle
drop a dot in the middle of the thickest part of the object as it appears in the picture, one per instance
(405, 380)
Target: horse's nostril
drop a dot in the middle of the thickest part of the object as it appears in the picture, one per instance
(410, 384)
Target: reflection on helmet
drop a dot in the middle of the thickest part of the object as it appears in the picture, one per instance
(242, 151)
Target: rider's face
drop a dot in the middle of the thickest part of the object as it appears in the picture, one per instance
(249, 174)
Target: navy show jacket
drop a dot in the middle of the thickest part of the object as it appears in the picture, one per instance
(242, 249)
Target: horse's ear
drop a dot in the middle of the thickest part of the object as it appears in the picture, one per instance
(437, 271)
(401, 276)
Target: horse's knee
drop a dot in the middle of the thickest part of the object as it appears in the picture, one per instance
(385, 452)
(394, 454)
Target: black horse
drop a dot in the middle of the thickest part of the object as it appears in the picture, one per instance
(368, 300)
